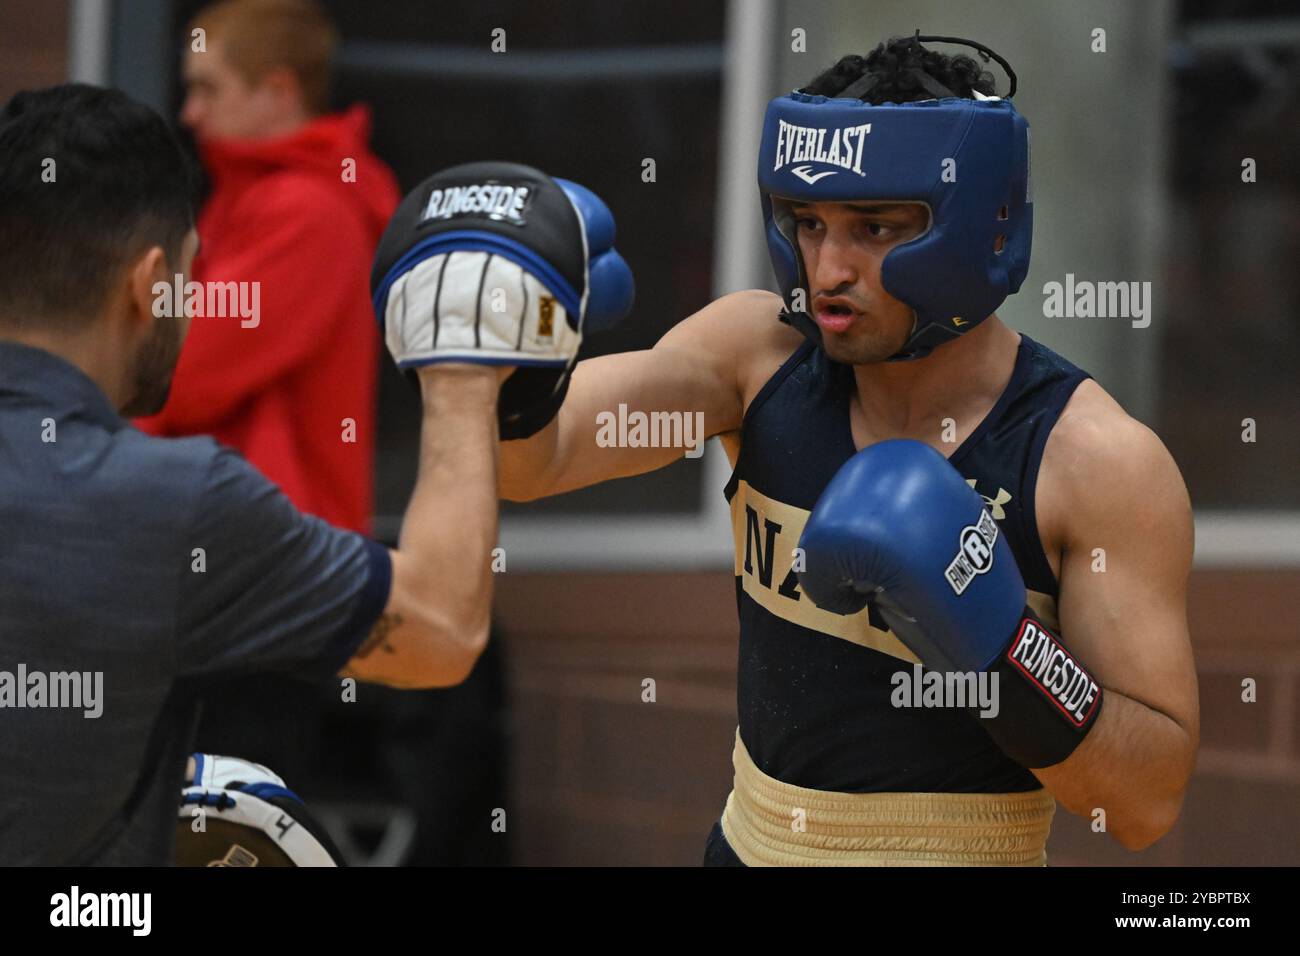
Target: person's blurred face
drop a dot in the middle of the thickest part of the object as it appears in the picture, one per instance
(221, 104)
(154, 361)
(843, 245)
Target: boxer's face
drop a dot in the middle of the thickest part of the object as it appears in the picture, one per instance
(221, 104)
(843, 244)
(154, 360)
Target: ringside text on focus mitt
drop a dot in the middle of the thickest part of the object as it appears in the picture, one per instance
(499, 264)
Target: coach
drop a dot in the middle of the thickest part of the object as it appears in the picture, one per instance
(132, 568)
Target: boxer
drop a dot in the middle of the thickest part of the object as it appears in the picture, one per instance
(919, 492)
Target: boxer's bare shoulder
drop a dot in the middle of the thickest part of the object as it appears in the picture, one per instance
(1106, 476)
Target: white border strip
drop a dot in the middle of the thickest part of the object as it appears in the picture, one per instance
(1232, 34)
(599, 543)
(1262, 539)
(88, 41)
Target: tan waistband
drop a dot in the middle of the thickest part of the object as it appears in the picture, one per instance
(771, 823)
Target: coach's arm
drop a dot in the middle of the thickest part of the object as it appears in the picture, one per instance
(1110, 493)
(438, 615)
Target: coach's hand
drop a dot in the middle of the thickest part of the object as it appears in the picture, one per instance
(899, 526)
(499, 264)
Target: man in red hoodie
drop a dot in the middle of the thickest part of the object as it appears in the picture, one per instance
(297, 206)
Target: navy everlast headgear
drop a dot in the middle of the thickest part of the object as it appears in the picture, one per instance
(966, 160)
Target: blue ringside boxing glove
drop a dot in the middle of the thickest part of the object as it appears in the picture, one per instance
(500, 264)
(899, 526)
(610, 286)
(530, 398)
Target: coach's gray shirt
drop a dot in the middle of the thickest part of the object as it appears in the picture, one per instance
(132, 567)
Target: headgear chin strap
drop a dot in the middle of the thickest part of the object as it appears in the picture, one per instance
(966, 160)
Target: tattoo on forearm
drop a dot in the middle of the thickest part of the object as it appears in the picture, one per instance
(379, 634)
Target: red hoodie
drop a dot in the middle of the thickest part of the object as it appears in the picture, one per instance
(284, 214)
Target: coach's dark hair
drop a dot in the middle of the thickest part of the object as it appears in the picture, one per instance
(89, 180)
(895, 63)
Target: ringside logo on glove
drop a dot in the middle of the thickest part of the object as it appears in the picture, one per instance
(1053, 670)
(489, 200)
(499, 264)
(975, 554)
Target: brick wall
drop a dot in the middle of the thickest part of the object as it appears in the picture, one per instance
(601, 777)
(33, 44)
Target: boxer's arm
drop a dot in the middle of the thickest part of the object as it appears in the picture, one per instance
(700, 365)
(437, 618)
(1116, 496)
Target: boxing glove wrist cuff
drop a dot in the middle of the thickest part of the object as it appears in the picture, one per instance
(1048, 701)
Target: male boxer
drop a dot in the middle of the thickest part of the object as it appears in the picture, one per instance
(132, 567)
(896, 199)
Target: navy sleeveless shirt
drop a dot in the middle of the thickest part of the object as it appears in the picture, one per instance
(814, 687)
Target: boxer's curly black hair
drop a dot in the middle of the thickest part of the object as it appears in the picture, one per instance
(895, 64)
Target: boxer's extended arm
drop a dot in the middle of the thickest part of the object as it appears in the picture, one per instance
(437, 618)
(700, 365)
(1125, 523)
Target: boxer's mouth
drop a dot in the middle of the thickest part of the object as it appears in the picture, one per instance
(834, 314)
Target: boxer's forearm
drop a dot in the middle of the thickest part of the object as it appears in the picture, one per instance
(681, 377)
(523, 464)
(1134, 765)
